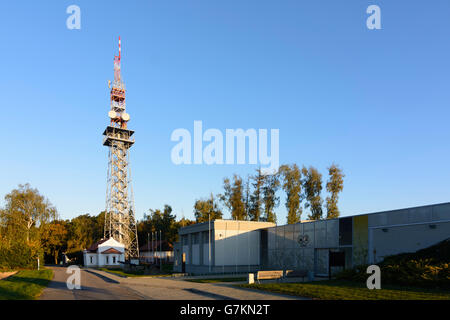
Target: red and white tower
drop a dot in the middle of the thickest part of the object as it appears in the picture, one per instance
(120, 223)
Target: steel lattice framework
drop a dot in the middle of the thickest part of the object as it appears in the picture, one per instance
(120, 223)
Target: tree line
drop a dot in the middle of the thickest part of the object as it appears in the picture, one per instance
(256, 196)
(31, 228)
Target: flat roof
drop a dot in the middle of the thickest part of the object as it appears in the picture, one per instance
(197, 227)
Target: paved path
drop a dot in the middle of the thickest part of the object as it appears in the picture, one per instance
(103, 285)
(4, 275)
(93, 287)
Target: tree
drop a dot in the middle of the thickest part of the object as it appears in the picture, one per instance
(233, 197)
(270, 198)
(256, 197)
(292, 185)
(205, 209)
(157, 221)
(54, 239)
(312, 185)
(84, 230)
(26, 211)
(247, 198)
(335, 185)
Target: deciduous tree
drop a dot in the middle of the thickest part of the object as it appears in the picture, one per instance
(26, 210)
(312, 185)
(256, 196)
(292, 185)
(270, 198)
(233, 197)
(335, 185)
(205, 209)
(54, 239)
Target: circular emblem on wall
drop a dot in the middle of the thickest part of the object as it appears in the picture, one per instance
(303, 240)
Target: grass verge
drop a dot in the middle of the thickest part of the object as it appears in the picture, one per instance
(25, 284)
(346, 290)
(137, 273)
(217, 280)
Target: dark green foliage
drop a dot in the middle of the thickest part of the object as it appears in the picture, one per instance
(335, 185)
(207, 209)
(292, 185)
(429, 267)
(438, 253)
(233, 197)
(255, 201)
(20, 255)
(312, 185)
(157, 221)
(270, 198)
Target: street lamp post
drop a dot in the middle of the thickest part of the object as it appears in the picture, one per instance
(160, 250)
(209, 241)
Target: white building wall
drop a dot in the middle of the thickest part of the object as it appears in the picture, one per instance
(234, 247)
(408, 238)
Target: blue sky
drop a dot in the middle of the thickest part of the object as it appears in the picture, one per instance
(376, 102)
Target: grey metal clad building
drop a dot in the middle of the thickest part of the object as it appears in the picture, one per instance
(238, 246)
(234, 247)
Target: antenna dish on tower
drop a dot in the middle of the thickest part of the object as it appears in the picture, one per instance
(125, 116)
(112, 114)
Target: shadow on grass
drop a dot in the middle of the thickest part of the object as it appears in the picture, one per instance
(24, 285)
(354, 284)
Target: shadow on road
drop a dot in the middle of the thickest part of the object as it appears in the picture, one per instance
(104, 278)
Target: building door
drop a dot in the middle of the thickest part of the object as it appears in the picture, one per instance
(336, 259)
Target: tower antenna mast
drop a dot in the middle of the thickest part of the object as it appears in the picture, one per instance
(120, 223)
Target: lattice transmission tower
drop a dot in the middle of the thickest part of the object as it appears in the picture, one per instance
(120, 223)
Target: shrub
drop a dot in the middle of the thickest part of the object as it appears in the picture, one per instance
(20, 255)
(428, 267)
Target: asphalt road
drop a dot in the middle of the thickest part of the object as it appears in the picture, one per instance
(93, 287)
(100, 285)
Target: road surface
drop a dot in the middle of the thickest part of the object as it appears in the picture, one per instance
(100, 285)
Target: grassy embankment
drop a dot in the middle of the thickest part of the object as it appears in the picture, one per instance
(422, 275)
(138, 273)
(347, 290)
(25, 284)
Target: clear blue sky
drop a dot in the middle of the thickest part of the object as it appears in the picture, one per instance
(374, 102)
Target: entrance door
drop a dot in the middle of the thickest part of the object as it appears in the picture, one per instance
(336, 259)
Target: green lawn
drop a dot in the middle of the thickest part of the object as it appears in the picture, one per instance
(25, 284)
(136, 273)
(344, 290)
(216, 280)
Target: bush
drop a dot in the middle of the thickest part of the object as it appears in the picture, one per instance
(20, 255)
(429, 267)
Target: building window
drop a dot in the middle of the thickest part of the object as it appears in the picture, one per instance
(107, 260)
(91, 260)
(114, 259)
(345, 231)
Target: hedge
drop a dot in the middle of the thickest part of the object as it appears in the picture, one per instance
(429, 267)
(20, 255)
